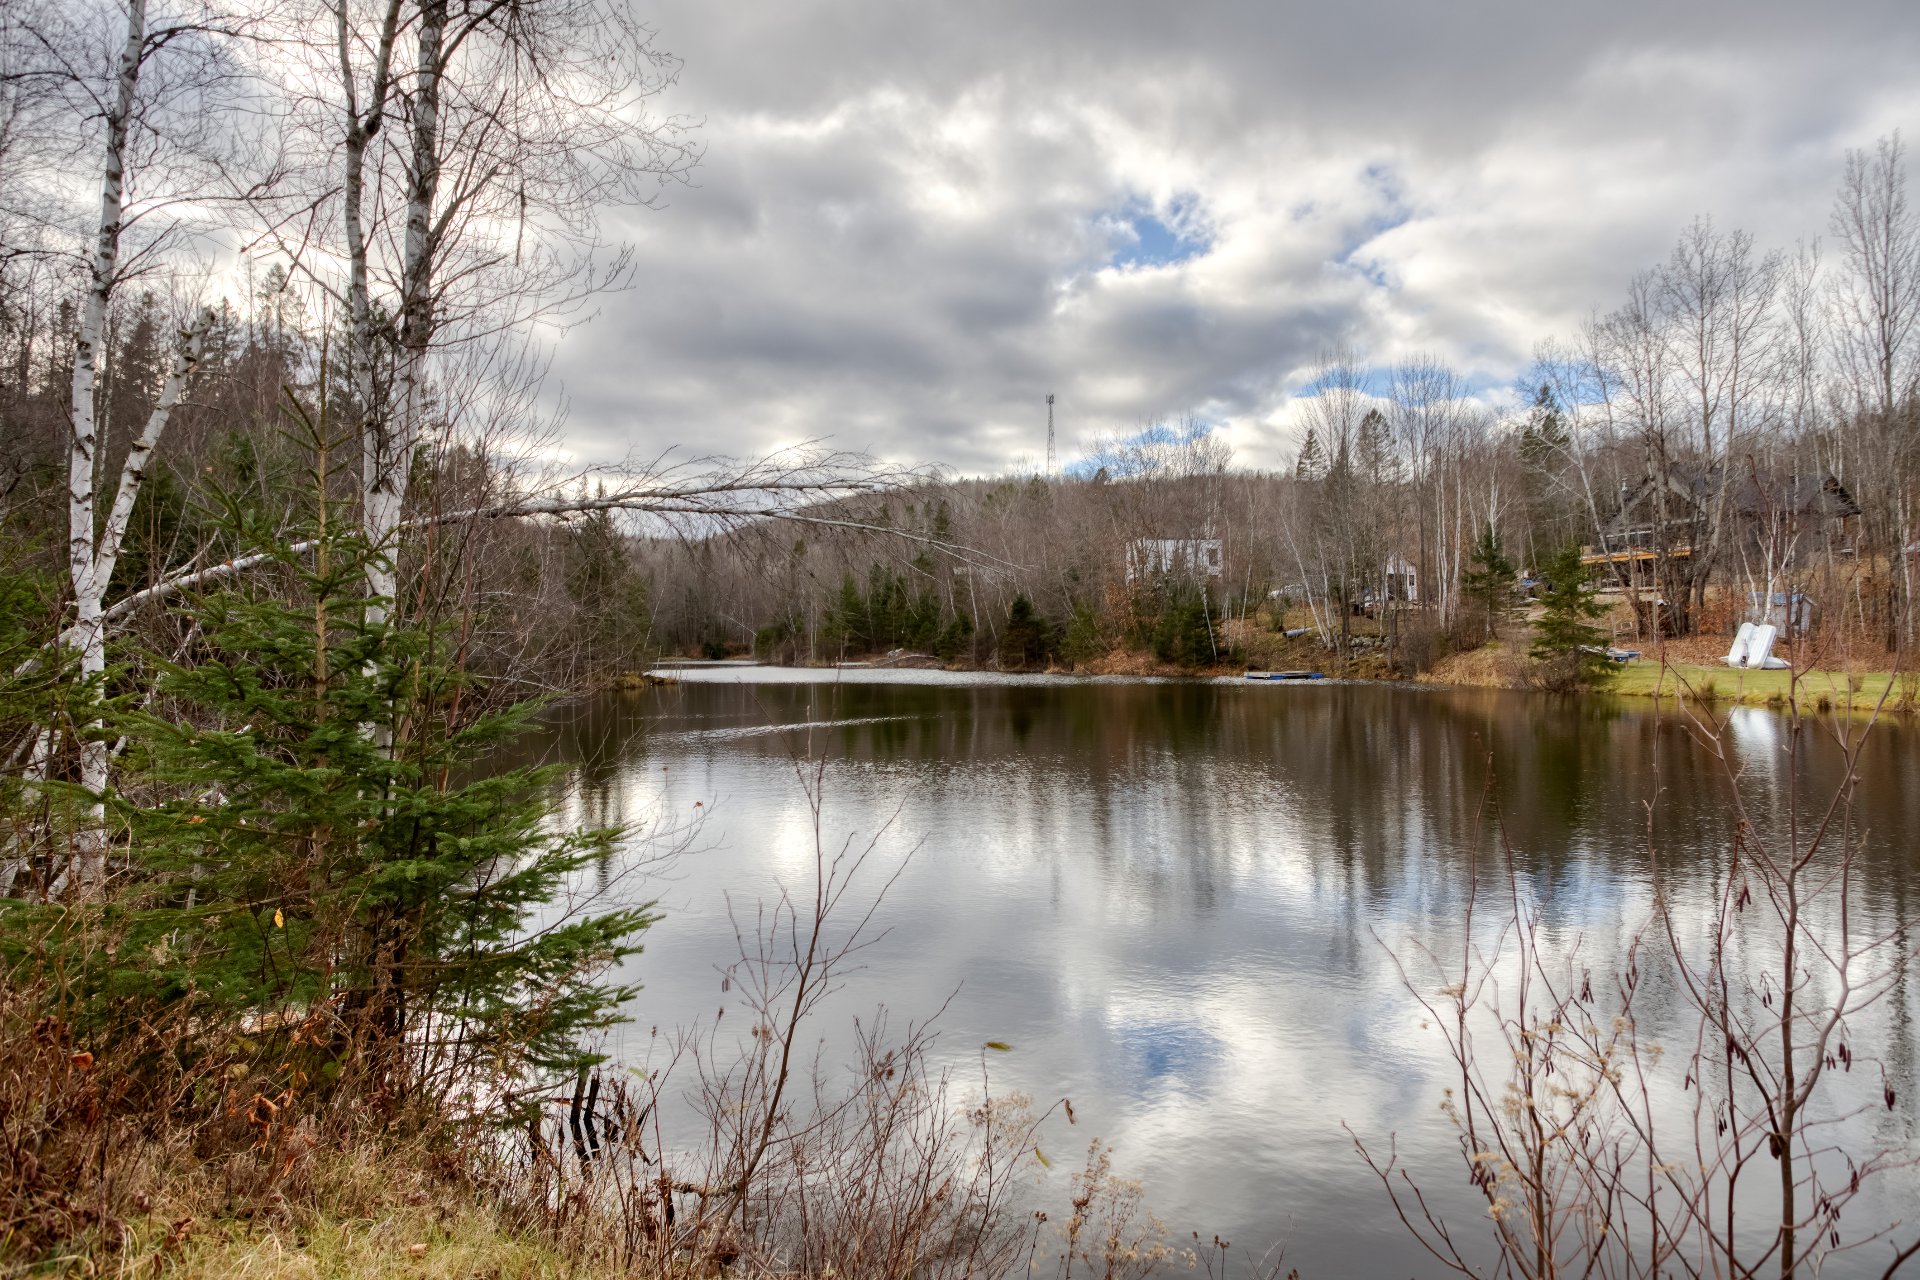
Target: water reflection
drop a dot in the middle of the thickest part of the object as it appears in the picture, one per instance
(1174, 899)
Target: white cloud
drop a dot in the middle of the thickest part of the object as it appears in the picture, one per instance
(904, 233)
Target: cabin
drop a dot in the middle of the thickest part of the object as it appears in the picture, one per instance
(1175, 557)
(1402, 580)
(1793, 515)
(1630, 543)
(1796, 513)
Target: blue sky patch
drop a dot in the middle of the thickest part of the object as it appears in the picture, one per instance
(1377, 380)
(1163, 1054)
(1159, 433)
(1150, 237)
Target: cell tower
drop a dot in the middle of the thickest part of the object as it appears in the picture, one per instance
(1049, 433)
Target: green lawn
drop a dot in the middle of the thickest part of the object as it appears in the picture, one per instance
(1646, 678)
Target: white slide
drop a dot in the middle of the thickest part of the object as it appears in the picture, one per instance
(1742, 643)
(1760, 649)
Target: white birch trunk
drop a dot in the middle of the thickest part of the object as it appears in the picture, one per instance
(92, 563)
(89, 842)
(133, 474)
(390, 451)
(380, 511)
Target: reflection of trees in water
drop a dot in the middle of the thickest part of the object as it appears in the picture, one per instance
(1373, 799)
(1379, 790)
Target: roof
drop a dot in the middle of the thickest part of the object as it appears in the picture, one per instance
(1782, 493)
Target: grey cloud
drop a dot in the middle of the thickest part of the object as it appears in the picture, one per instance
(900, 235)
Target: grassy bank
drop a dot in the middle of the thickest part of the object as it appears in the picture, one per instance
(408, 1242)
(1504, 666)
(1818, 689)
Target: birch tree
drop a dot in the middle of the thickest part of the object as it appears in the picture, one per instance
(521, 125)
(92, 549)
(171, 155)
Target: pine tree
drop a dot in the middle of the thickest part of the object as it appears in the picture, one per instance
(955, 638)
(1375, 447)
(609, 596)
(1183, 631)
(1489, 579)
(1312, 464)
(1568, 650)
(379, 894)
(1544, 439)
(1083, 641)
(1543, 447)
(1028, 639)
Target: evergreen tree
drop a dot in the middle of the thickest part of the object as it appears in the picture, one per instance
(384, 902)
(1544, 438)
(1550, 517)
(1180, 625)
(846, 618)
(1028, 639)
(1569, 652)
(1083, 641)
(955, 637)
(608, 593)
(1489, 579)
(1375, 448)
(1312, 464)
(888, 614)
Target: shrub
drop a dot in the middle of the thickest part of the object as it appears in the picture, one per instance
(1083, 641)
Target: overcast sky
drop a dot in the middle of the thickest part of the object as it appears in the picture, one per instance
(915, 220)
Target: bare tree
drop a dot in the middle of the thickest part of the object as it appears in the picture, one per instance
(1877, 297)
(1592, 1160)
(1427, 401)
(1715, 299)
(520, 125)
(1876, 336)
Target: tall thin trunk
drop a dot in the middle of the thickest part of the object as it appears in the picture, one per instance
(89, 633)
(363, 123)
(386, 481)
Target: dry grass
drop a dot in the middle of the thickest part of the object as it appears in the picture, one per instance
(1693, 671)
(402, 1242)
(1124, 662)
(1497, 665)
(146, 1151)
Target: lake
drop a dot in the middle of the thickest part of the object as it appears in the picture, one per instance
(1180, 902)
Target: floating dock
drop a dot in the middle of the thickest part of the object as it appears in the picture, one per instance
(1285, 675)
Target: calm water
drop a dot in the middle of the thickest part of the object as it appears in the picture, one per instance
(1176, 900)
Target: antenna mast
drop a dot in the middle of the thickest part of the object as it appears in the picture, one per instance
(1049, 433)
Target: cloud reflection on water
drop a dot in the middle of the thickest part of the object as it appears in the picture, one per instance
(1175, 899)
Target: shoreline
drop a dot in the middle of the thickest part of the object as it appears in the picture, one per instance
(1820, 689)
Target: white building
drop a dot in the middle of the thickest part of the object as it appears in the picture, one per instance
(1164, 557)
(1403, 581)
